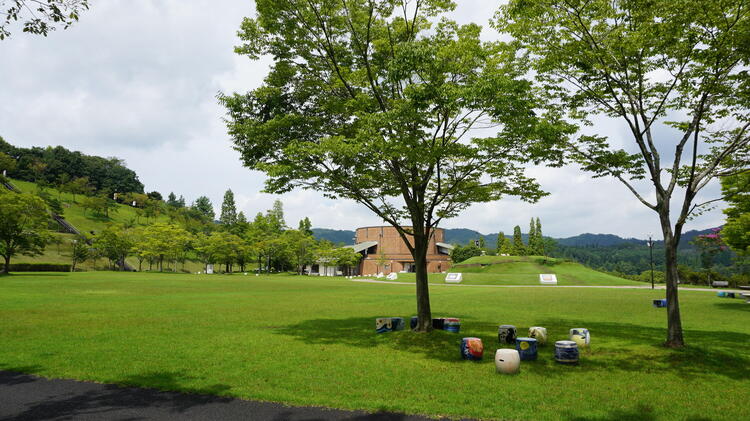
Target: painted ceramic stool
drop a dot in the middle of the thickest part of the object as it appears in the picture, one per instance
(581, 336)
(507, 361)
(526, 348)
(389, 324)
(539, 333)
(451, 324)
(472, 349)
(660, 303)
(566, 352)
(506, 334)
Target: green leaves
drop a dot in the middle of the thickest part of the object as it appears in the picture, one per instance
(362, 102)
(23, 225)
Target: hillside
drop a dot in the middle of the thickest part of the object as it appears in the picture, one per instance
(514, 270)
(85, 221)
(89, 224)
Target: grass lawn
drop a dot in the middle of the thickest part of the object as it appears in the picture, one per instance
(311, 341)
(524, 270)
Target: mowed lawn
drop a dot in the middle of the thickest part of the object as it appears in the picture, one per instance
(311, 341)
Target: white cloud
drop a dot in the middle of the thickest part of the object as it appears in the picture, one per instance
(137, 79)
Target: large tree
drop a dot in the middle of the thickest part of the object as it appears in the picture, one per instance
(40, 16)
(373, 101)
(23, 226)
(673, 72)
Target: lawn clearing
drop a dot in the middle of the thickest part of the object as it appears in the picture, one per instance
(311, 341)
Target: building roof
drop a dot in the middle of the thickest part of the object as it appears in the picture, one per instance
(363, 246)
(445, 246)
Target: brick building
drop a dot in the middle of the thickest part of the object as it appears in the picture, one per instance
(384, 251)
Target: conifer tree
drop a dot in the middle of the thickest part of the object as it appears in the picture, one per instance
(539, 238)
(305, 227)
(500, 241)
(228, 209)
(518, 247)
(532, 248)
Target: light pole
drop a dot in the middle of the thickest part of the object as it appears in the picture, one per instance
(650, 244)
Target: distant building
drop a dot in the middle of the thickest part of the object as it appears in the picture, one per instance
(384, 251)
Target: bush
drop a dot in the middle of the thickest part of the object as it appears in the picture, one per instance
(39, 267)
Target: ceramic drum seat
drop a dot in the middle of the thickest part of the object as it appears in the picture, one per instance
(472, 349)
(507, 361)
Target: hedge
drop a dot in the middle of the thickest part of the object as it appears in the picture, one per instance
(38, 267)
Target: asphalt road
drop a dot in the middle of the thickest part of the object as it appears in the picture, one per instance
(26, 397)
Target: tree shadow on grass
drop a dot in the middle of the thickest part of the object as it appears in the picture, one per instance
(360, 332)
(733, 305)
(635, 348)
(708, 353)
(639, 413)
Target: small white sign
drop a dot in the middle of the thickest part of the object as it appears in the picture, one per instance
(454, 278)
(548, 279)
(392, 276)
(210, 269)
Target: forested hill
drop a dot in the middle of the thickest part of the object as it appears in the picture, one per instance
(55, 166)
(463, 236)
(600, 251)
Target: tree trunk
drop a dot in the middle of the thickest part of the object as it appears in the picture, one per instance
(6, 266)
(424, 314)
(674, 322)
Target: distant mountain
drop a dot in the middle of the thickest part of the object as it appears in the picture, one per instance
(334, 236)
(602, 240)
(464, 236)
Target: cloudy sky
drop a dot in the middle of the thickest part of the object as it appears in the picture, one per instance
(137, 79)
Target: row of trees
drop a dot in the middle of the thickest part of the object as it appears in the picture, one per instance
(266, 243)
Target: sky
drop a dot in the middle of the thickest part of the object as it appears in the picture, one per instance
(138, 79)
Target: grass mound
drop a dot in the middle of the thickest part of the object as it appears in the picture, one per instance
(524, 270)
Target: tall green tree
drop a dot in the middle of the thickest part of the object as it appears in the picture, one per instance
(540, 249)
(533, 246)
(228, 209)
(80, 252)
(674, 73)
(204, 206)
(500, 241)
(377, 101)
(40, 16)
(23, 226)
(305, 226)
(518, 248)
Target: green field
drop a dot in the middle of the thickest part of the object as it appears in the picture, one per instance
(523, 270)
(311, 341)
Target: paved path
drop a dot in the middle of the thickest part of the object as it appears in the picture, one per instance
(662, 287)
(25, 397)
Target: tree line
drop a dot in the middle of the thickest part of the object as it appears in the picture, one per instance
(535, 245)
(72, 171)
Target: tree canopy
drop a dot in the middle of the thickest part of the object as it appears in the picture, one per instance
(673, 72)
(379, 101)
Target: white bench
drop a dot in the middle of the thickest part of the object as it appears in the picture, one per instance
(746, 295)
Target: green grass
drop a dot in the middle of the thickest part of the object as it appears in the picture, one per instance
(524, 270)
(311, 341)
